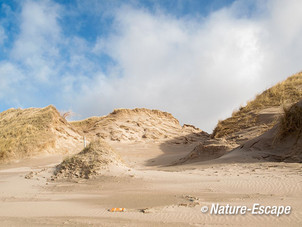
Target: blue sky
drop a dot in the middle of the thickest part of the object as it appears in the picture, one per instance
(197, 59)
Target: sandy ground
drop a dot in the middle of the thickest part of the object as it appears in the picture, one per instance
(153, 193)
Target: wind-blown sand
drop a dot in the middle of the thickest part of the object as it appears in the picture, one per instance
(153, 194)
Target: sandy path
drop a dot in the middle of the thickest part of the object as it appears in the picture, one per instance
(172, 195)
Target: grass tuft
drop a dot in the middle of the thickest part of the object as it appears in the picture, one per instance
(88, 163)
(291, 121)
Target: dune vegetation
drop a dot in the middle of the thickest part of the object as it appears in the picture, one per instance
(284, 93)
(27, 132)
(291, 121)
(98, 155)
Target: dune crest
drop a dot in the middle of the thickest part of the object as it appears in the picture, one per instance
(136, 125)
(33, 131)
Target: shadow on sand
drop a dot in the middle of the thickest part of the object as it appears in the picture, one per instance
(177, 148)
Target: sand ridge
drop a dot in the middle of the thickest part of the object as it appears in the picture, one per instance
(140, 124)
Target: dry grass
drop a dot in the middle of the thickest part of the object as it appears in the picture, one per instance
(291, 121)
(284, 93)
(24, 131)
(89, 162)
(67, 114)
(29, 132)
(86, 124)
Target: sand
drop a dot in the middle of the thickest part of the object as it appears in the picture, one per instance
(138, 125)
(153, 192)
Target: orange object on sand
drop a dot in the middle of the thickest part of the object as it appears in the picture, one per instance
(117, 209)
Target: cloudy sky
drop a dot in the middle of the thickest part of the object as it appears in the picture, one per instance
(198, 59)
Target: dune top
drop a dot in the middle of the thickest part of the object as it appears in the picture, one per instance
(34, 131)
(135, 125)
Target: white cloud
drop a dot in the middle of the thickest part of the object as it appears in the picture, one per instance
(46, 57)
(10, 75)
(283, 45)
(198, 70)
(37, 44)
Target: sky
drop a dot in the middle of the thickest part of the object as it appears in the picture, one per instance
(199, 60)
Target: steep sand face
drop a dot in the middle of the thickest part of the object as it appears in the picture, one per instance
(281, 143)
(98, 158)
(261, 114)
(34, 131)
(138, 125)
(261, 126)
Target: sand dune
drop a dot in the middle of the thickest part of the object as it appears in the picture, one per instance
(134, 125)
(98, 158)
(35, 131)
(262, 113)
(281, 143)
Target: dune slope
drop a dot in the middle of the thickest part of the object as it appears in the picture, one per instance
(281, 143)
(34, 131)
(93, 160)
(262, 113)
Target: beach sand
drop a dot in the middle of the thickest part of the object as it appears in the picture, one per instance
(153, 192)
